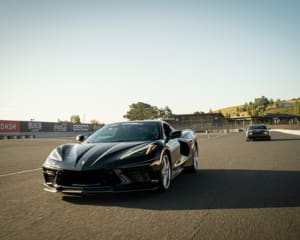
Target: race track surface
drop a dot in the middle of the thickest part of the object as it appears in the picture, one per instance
(244, 190)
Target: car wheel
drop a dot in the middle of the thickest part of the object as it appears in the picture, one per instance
(195, 166)
(165, 173)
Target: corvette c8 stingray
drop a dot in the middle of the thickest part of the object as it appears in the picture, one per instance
(125, 156)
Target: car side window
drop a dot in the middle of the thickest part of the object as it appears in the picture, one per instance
(167, 130)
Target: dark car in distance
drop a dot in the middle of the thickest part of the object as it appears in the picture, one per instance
(122, 157)
(257, 132)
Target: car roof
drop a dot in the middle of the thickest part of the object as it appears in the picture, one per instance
(140, 121)
(257, 125)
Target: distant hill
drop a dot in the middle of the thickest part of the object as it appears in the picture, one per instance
(261, 106)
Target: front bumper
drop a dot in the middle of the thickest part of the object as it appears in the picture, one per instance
(100, 189)
(114, 180)
(259, 137)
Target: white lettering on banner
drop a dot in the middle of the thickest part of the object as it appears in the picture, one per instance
(34, 126)
(8, 126)
(60, 127)
(79, 128)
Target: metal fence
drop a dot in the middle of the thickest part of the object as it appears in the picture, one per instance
(229, 125)
(23, 129)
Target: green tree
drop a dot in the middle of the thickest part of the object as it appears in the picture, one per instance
(228, 115)
(75, 119)
(94, 121)
(244, 107)
(255, 113)
(297, 108)
(199, 113)
(141, 111)
(260, 105)
(165, 113)
(250, 108)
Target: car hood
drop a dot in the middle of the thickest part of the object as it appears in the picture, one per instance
(92, 156)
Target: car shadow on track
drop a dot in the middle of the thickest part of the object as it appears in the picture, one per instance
(210, 189)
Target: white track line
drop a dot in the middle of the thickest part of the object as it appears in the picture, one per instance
(294, 132)
(20, 172)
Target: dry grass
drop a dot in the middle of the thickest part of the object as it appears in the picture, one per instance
(270, 109)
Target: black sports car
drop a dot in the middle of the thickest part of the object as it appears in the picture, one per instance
(257, 132)
(126, 156)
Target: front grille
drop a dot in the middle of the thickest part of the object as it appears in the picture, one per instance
(138, 174)
(98, 177)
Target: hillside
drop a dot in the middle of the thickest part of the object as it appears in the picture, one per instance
(261, 106)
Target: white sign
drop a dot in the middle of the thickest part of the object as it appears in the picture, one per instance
(34, 126)
(60, 127)
(80, 128)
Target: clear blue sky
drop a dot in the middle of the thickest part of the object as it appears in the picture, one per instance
(95, 58)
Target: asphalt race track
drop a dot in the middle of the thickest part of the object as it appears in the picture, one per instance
(244, 190)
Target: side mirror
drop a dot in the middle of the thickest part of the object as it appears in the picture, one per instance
(175, 134)
(80, 138)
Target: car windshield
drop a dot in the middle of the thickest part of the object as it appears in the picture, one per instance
(258, 127)
(124, 132)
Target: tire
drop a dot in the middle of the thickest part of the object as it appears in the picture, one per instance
(165, 174)
(195, 166)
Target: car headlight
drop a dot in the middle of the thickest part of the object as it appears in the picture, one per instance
(266, 133)
(143, 150)
(55, 156)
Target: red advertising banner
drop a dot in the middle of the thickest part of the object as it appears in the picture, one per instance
(9, 126)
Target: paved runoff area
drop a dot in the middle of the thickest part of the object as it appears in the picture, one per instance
(244, 190)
